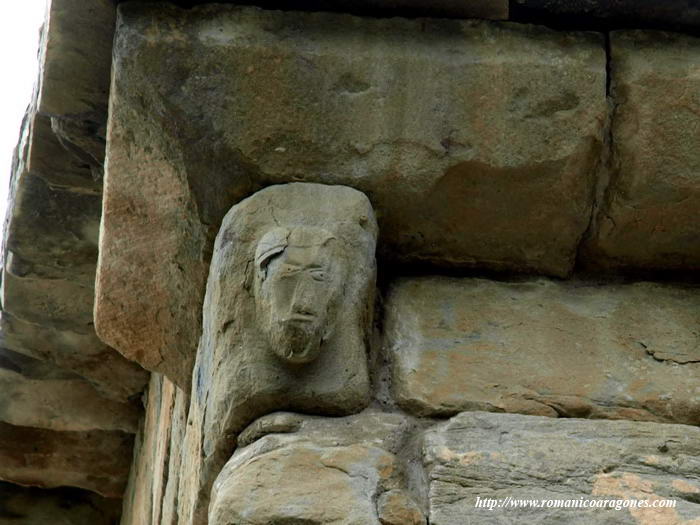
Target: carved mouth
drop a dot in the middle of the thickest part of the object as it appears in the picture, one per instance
(302, 318)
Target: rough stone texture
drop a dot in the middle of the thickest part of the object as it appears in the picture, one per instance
(628, 351)
(50, 257)
(528, 457)
(209, 104)
(60, 244)
(344, 471)
(649, 219)
(75, 74)
(602, 13)
(95, 460)
(489, 9)
(287, 315)
(67, 400)
(151, 495)
(48, 159)
(29, 506)
(37, 394)
(82, 353)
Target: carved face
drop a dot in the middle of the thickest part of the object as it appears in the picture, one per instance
(298, 284)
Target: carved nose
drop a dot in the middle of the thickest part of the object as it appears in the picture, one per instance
(303, 299)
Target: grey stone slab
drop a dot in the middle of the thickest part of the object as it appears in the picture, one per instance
(496, 456)
(81, 353)
(53, 232)
(75, 64)
(33, 395)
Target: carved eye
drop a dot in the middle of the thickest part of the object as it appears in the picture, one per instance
(318, 275)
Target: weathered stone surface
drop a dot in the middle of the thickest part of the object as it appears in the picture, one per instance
(343, 471)
(649, 219)
(151, 495)
(30, 506)
(36, 394)
(628, 351)
(48, 159)
(75, 63)
(95, 460)
(287, 314)
(487, 455)
(607, 13)
(489, 9)
(50, 257)
(83, 353)
(49, 264)
(61, 241)
(476, 143)
(70, 420)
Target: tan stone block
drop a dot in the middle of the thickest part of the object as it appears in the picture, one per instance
(322, 471)
(650, 218)
(620, 351)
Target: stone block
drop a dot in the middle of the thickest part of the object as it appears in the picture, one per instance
(82, 353)
(344, 471)
(96, 460)
(35, 394)
(75, 64)
(58, 243)
(496, 456)
(30, 506)
(48, 159)
(476, 142)
(64, 304)
(649, 218)
(75, 52)
(620, 351)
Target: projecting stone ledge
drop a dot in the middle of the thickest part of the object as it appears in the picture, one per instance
(495, 456)
(628, 351)
(75, 63)
(97, 460)
(476, 142)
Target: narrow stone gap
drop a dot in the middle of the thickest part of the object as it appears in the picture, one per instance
(603, 169)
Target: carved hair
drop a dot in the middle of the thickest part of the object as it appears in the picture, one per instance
(273, 243)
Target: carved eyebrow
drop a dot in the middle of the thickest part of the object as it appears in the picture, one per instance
(264, 258)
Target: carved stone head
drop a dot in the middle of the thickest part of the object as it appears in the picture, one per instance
(287, 314)
(299, 280)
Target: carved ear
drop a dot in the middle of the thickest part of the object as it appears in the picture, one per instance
(271, 245)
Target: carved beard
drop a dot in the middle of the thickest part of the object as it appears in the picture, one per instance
(296, 342)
